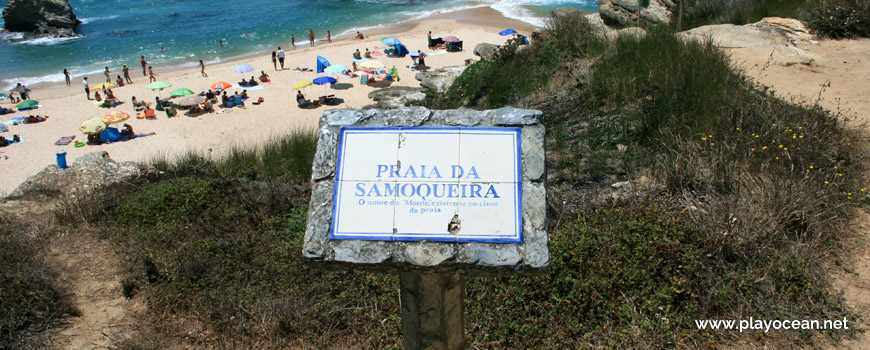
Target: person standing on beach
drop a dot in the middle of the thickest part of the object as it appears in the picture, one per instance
(127, 75)
(328, 37)
(87, 90)
(108, 75)
(66, 76)
(311, 36)
(144, 64)
(275, 60)
(151, 76)
(281, 57)
(421, 60)
(202, 68)
(293, 40)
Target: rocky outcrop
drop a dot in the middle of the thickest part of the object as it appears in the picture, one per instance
(772, 36)
(563, 12)
(486, 51)
(439, 79)
(396, 96)
(86, 174)
(623, 13)
(41, 17)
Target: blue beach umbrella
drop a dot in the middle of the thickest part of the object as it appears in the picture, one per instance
(390, 41)
(324, 80)
(335, 69)
(322, 64)
(507, 32)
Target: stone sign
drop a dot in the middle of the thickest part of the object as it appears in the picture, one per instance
(413, 188)
(435, 196)
(449, 184)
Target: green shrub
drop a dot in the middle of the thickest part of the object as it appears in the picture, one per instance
(840, 19)
(700, 13)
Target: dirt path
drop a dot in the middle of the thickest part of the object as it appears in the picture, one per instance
(838, 75)
(91, 269)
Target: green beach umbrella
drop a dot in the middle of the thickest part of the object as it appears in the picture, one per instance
(26, 104)
(159, 85)
(182, 92)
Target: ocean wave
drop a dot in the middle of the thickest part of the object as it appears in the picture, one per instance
(87, 20)
(10, 36)
(518, 9)
(75, 73)
(410, 16)
(49, 40)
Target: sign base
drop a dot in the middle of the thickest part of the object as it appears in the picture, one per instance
(432, 310)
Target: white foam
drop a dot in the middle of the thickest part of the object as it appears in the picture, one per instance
(517, 9)
(409, 17)
(87, 20)
(49, 40)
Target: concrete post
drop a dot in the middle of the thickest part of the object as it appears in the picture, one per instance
(432, 310)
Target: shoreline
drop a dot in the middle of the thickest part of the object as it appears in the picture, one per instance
(482, 16)
(216, 133)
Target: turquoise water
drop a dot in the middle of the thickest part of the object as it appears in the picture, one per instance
(118, 32)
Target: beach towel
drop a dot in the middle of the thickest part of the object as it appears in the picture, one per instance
(437, 52)
(377, 53)
(4, 128)
(360, 59)
(251, 88)
(65, 140)
(14, 121)
(11, 142)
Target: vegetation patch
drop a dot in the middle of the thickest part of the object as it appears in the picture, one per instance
(31, 299)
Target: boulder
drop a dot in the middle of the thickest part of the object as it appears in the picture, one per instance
(564, 12)
(623, 13)
(86, 174)
(396, 96)
(45, 17)
(439, 79)
(772, 36)
(486, 51)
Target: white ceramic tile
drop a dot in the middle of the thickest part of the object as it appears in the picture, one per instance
(366, 155)
(428, 154)
(491, 218)
(418, 219)
(362, 209)
(488, 155)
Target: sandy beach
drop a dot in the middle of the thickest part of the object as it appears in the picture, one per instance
(252, 125)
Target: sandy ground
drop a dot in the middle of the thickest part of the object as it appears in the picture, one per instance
(838, 77)
(249, 126)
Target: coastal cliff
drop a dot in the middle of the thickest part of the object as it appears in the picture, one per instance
(41, 17)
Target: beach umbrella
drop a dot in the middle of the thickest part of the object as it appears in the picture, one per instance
(507, 32)
(221, 85)
(390, 41)
(335, 69)
(27, 104)
(92, 126)
(243, 68)
(372, 64)
(114, 117)
(182, 92)
(104, 86)
(323, 81)
(191, 100)
(451, 39)
(302, 84)
(158, 85)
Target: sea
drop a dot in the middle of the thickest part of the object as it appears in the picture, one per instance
(181, 32)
